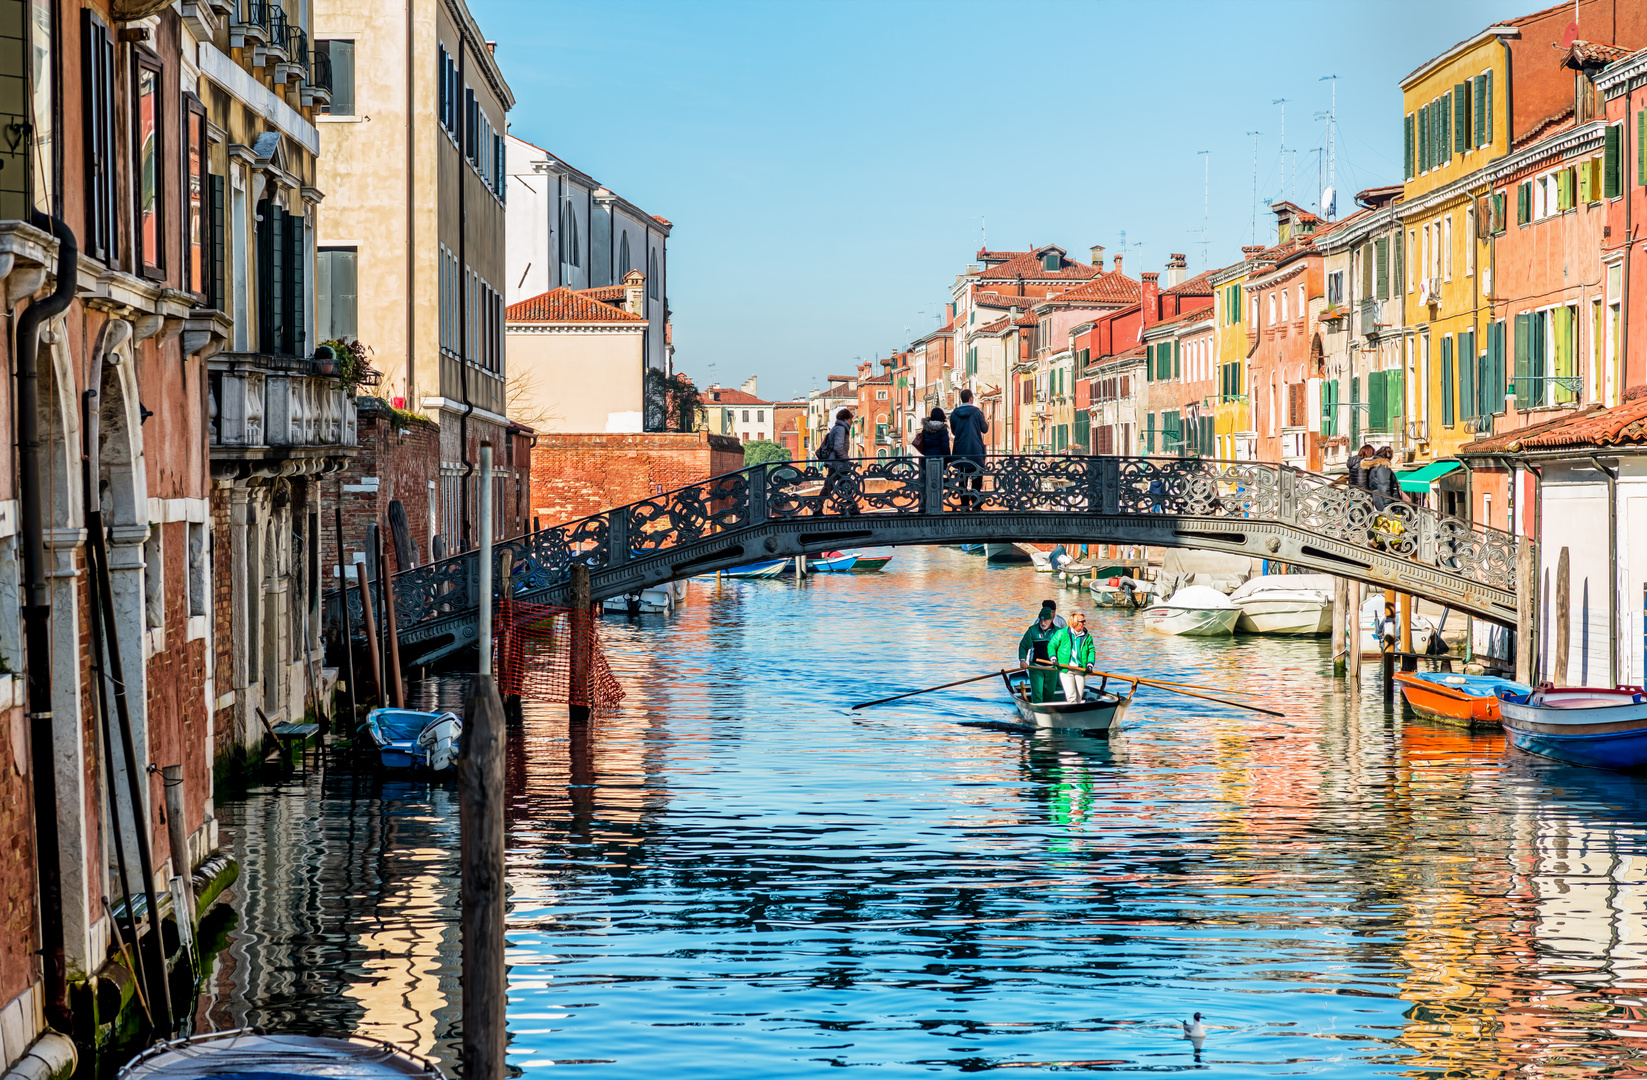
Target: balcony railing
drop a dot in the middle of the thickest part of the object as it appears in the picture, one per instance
(256, 400)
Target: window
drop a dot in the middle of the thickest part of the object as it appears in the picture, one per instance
(1283, 306)
(1381, 268)
(746, 416)
(280, 264)
(1049, 262)
(97, 55)
(336, 296)
(1412, 244)
(148, 137)
(569, 235)
(1407, 139)
(1272, 309)
(339, 55)
(1447, 382)
(1482, 115)
(154, 581)
(1524, 203)
(1469, 242)
(760, 416)
(1447, 247)
(652, 274)
(1611, 173)
(196, 200)
(197, 568)
(1303, 304)
(623, 256)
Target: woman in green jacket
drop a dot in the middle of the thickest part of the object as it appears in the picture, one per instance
(1072, 646)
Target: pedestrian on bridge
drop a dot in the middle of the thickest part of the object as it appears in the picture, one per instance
(1072, 646)
(1035, 653)
(835, 451)
(1381, 479)
(970, 427)
(933, 438)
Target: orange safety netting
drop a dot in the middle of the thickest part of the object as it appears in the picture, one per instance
(535, 656)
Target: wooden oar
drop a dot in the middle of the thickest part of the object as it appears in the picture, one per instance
(928, 690)
(1159, 685)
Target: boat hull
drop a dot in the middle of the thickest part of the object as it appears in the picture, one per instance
(1191, 622)
(410, 739)
(1102, 711)
(1460, 700)
(769, 569)
(839, 564)
(1299, 617)
(1601, 729)
(658, 600)
(1004, 554)
(870, 565)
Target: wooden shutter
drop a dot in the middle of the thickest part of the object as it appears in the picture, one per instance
(295, 335)
(1177, 359)
(1395, 391)
(1523, 359)
(1400, 269)
(217, 299)
(1446, 382)
(1377, 417)
(1487, 108)
(97, 55)
(266, 292)
(1498, 212)
(1641, 147)
(1149, 435)
(1149, 363)
(1423, 121)
(1461, 118)
(1445, 143)
(1466, 374)
(1366, 254)
(1480, 133)
(1523, 203)
(1586, 190)
(1381, 264)
(1407, 136)
(1609, 169)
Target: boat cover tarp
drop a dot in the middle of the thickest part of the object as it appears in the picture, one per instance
(1189, 566)
(1286, 583)
(232, 1055)
(1199, 596)
(402, 725)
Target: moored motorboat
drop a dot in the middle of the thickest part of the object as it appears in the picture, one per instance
(248, 1052)
(1285, 604)
(1057, 560)
(410, 739)
(1102, 711)
(1120, 591)
(1193, 611)
(1603, 729)
(869, 563)
(1372, 612)
(1004, 554)
(831, 562)
(768, 568)
(1464, 700)
(655, 600)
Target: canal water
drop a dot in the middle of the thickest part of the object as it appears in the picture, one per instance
(734, 874)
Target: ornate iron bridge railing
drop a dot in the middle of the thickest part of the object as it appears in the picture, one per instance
(772, 510)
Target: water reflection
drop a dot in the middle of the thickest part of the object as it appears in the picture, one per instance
(735, 874)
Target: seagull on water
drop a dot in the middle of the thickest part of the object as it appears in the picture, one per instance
(1193, 1028)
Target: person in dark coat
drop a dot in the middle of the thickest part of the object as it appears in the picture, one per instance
(933, 438)
(1356, 468)
(970, 427)
(1034, 650)
(836, 454)
(1381, 479)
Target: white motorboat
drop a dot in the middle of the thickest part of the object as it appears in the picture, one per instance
(1285, 604)
(1058, 559)
(1372, 614)
(657, 600)
(1194, 611)
(1120, 592)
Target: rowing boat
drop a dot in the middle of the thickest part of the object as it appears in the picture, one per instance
(1464, 700)
(1604, 729)
(831, 562)
(410, 739)
(869, 563)
(769, 568)
(1102, 711)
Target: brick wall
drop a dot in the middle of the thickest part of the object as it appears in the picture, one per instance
(396, 460)
(574, 476)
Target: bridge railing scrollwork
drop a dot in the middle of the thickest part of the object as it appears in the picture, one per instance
(724, 506)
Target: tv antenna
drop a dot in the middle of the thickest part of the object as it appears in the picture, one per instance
(1281, 101)
(1206, 199)
(1254, 135)
(1328, 205)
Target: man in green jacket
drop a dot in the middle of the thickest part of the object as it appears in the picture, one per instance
(1072, 646)
(1035, 647)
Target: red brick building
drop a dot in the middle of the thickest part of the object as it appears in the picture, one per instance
(574, 476)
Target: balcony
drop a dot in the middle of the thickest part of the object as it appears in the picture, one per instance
(318, 89)
(296, 66)
(266, 412)
(250, 29)
(273, 51)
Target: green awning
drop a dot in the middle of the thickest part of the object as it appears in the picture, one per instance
(1420, 479)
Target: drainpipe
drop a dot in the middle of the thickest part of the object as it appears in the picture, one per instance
(411, 221)
(463, 297)
(37, 617)
(1612, 565)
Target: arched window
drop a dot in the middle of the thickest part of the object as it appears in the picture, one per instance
(652, 275)
(623, 256)
(569, 235)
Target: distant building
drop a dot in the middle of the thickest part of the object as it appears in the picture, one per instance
(739, 413)
(578, 356)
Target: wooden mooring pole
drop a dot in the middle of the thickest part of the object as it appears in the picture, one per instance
(1340, 604)
(1563, 617)
(366, 617)
(481, 798)
(1526, 610)
(583, 633)
(1353, 632)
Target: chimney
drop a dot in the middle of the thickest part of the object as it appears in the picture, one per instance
(1098, 256)
(1177, 270)
(748, 386)
(1150, 306)
(634, 290)
(1250, 250)
(1118, 262)
(492, 47)
(1014, 313)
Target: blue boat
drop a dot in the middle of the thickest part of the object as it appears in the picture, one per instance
(409, 739)
(831, 562)
(769, 568)
(1603, 729)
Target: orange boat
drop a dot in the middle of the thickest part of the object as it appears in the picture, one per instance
(1464, 700)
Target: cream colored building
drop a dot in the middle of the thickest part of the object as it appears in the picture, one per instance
(580, 358)
(410, 253)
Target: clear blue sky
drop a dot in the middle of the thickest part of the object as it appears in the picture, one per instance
(826, 165)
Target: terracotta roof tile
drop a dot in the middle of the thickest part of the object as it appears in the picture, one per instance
(1028, 264)
(602, 292)
(566, 306)
(1198, 315)
(1623, 425)
(726, 395)
(1113, 287)
(1199, 285)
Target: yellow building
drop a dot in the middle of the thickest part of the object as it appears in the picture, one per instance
(1235, 437)
(1455, 124)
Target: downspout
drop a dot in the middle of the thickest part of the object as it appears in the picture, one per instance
(37, 616)
(1612, 566)
(411, 218)
(463, 286)
(1623, 363)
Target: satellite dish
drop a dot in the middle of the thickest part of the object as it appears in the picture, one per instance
(1329, 201)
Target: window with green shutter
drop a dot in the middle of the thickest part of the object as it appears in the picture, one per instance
(1377, 417)
(1445, 142)
(1149, 363)
(1083, 429)
(1177, 359)
(1498, 213)
(1423, 139)
(1524, 203)
(1485, 119)
(1400, 270)
(1610, 186)
(1149, 434)
(1461, 118)
(1447, 382)
(1523, 359)
(1466, 374)
(1381, 263)
(1395, 390)
(1407, 137)
(1641, 147)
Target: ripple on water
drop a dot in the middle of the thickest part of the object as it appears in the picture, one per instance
(735, 874)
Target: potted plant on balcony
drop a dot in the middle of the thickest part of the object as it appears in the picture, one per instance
(326, 360)
(351, 363)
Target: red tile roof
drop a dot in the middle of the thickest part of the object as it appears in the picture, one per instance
(663, 220)
(566, 306)
(1005, 302)
(1197, 315)
(1028, 264)
(725, 395)
(602, 292)
(1113, 287)
(1199, 285)
(1623, 425)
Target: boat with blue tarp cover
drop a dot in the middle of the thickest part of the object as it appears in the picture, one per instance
(1465, 700)
(410, 739)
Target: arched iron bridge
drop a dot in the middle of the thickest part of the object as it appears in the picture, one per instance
(776, 510)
